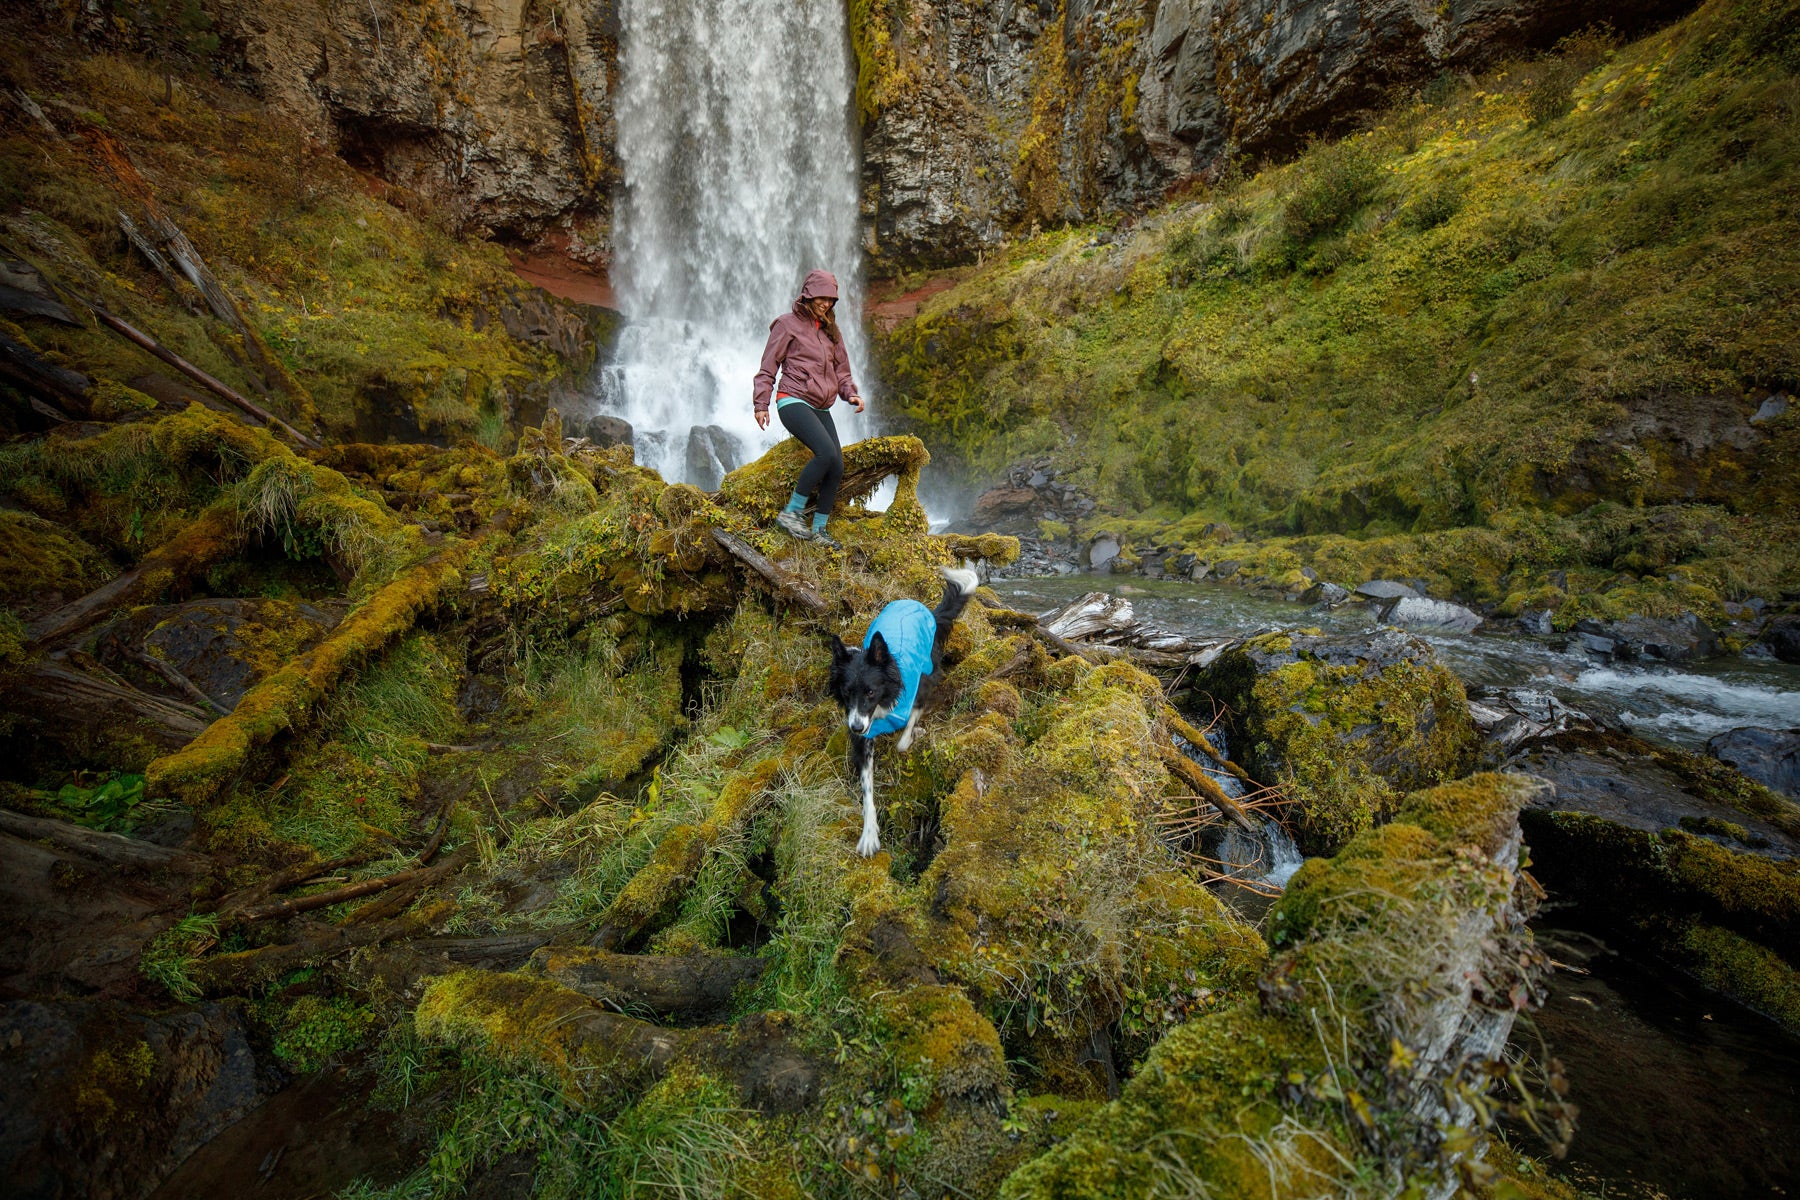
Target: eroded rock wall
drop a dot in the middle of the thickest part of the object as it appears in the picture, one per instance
(499, 111)
(983, 117)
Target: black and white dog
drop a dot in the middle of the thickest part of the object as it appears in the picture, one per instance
(883, 686)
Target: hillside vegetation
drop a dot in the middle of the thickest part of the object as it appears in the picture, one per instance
(1518, 325)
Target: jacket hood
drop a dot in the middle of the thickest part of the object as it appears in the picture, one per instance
(821, 285)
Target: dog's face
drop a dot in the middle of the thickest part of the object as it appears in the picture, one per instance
(865, 683)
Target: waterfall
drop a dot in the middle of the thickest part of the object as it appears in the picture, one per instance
(737, 147)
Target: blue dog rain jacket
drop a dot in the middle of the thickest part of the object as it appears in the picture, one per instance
(909, 628)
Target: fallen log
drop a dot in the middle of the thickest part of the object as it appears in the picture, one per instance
(678, 858)
(105, 847)
(395, 900)
(670, 986)
(785, 585)
(198, 770)
(1198, 740)
(294, 905)
(223, 391)
(1189, 772)
(29, 304)
(48, 690)
(154, 257)
(211, 536)
(248, 970)
(35, 375)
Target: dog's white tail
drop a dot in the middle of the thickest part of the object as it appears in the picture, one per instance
(963, 578)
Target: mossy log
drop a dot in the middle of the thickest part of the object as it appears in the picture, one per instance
(102, 846)
(785, 586)
(199, 770)
(593, 1053)
(678, 858)
(1189, 772)
(679, 986)
(761, 488)
(249, 970)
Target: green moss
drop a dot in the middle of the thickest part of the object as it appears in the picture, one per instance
(38, 556)
(1752, 974)
(314, 1030)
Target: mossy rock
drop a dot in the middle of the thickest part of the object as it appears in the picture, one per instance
(1344, 725)
(42, 564)
(222, 646)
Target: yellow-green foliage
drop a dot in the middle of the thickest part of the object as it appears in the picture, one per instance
(1426, 325)
(1219, 1107)
(1743, 970)
(1345, 740)
(1054, 938)
(365, 304)
(39, 556)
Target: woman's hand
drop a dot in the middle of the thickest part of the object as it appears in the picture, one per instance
(859, 402)
(762, 418)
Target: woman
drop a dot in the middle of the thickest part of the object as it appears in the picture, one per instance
(808, 351)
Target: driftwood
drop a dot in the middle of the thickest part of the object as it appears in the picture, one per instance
(104, 847)
(785, 585)
(222, 390)
(209, 537)
(1109, 620)
(49, 690)
(678, 986)
(155, 258)
(1189, 772)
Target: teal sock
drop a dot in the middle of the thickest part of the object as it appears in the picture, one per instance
(796, 502)
(819, 522)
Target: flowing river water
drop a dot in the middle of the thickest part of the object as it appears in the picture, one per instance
(738, 152)
(1682, 1092)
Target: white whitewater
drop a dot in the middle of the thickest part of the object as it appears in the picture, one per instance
(736, 142)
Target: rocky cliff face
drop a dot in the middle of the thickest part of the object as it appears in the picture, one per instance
(982, 117)
(499, 111)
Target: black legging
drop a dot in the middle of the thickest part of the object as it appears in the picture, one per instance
(825, 470)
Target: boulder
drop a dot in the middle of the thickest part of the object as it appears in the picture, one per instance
(1344, 725)
(601, 429)
(1385, 589)
(1102, 551)
(1434, 616)
(1770, 408)
(1674, 639)
(1782, 637)
(712, 454)
(1769, 756)
(1325, 593)
(222, 646)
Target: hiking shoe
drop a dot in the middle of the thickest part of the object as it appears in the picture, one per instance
(795, 524)
(826, 540)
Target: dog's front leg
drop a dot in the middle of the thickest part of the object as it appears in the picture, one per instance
(906, 735)
(862, 762)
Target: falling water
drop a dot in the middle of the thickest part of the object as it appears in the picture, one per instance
(737, 147)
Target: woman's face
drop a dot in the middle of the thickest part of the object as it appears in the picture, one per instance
(821, 307)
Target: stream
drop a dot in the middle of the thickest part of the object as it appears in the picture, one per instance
(1682, 1092)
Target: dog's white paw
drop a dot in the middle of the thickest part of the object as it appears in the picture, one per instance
(870, 844)
(905, 742)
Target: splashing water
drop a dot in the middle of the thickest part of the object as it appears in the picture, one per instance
(737, 148)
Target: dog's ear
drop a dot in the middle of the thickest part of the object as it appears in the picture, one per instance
(840, 653)
(879, 654)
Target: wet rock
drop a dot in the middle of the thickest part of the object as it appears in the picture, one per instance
(222, 646)
(1512, 716)
(1677, 639)
(712, 454)
(1782, 637)
(1325, 593)
(1345, 725)
(1225, 570)
(600, 429)
(1538, 623)
(1385, 589)
(1771, 408)
(1101, 552)
(1769, 756)
(101, 1101)
(1437, 616)
(1002, 509)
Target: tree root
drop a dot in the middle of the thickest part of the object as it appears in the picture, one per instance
(294, 905)
(785, 586)
(56, 697)
(248, 970)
